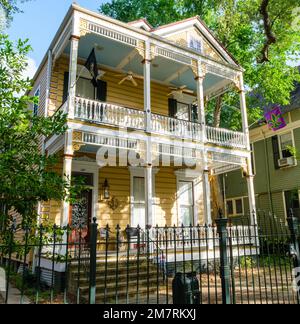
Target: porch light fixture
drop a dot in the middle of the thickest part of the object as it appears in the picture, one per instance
(106, 193)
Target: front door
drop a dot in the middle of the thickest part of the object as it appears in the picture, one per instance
(81, 216)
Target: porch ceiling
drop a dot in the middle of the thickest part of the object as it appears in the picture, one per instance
(114, 54)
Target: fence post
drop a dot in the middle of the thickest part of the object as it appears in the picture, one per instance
(93, 260)
(294, 230)
(224, 267)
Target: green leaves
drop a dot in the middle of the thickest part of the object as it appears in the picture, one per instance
(238, 25)
(27, 175)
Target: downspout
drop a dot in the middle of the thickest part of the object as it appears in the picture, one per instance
(267, 166)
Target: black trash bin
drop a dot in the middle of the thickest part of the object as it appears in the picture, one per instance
(186, 289)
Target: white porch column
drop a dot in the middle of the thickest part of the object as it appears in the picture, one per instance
(199, 77)
(147, 86)
(67, 173)
(250, 176)
(73, 75)
(206, 197)
(149, 195)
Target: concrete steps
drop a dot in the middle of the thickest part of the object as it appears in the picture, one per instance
(117, 279)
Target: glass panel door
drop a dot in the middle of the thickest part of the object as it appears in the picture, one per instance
(139, 209)
(183, 111)
(186, 203)
(85, 89)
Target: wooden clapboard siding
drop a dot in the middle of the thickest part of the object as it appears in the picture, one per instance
(165, 197)
(119, 182)
(125, 95)
(57, 84)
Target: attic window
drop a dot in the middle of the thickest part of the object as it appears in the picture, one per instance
(196, 44)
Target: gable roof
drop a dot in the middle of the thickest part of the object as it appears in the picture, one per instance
(200, 25)
(141, 23)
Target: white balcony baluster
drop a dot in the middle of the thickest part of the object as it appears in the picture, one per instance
(106, 113)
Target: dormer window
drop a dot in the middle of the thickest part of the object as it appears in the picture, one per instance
(195, 44)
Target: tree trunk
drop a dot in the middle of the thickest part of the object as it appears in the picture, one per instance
(216, 188)
(217, 112)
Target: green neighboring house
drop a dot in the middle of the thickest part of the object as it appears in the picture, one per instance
(277, 172)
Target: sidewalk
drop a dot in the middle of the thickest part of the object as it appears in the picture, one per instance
(14, 297)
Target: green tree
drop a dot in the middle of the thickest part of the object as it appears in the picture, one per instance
(261, 35)
(10, 7)
(27, 175)
(239, 25)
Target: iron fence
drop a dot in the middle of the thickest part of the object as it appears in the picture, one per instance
(228, 262)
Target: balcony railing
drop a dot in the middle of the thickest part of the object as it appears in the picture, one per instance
(106, 113)
(115, 115)
(225, 137)
(175, 127)
(199, 236)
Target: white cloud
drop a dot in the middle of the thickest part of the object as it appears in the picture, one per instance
(31, 68)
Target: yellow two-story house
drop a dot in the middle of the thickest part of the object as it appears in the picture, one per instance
(136, 123)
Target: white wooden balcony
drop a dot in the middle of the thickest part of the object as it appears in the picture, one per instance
(110, 114)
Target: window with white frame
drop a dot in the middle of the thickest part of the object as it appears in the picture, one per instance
(195, 44)
(138, 202)
(186, 202)
(285, 141)
(36, 105)
(235, 207)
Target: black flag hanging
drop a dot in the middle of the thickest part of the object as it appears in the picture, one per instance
(91, 65)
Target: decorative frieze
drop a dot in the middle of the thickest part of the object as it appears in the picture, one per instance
(77, 141)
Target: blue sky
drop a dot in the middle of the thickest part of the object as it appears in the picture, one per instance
(39, 22)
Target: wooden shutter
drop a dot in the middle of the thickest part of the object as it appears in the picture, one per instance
(66, 87)
(194, 110)
(101, 90)
(172, 107)
(276, 152)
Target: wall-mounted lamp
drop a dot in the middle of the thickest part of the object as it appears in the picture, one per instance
(106, 193)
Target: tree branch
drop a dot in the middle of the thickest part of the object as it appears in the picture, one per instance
(270, 36)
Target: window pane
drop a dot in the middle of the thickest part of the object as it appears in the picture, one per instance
(186, 216)
(85, 89)
(186, 193)
(36, 106)
(196, 44)
(229, 207)
(139, 210)
(285, 141)
(139, 190)
(186, 203)
(239, 206)
(183, 111)
(292, 199)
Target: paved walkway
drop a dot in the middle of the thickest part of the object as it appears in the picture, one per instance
(14, 297)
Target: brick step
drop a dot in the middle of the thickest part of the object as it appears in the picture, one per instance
(122, 285)
(111, 277)
(111, 267)
(110, 296)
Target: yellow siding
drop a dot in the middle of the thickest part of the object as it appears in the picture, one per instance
(180, 38)
(165, 197)
(57, 84)
(119, 182)
(125, 94)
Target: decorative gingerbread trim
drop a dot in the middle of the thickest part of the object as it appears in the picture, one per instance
(77, 141)
(83, 27)
(141, 48)
(195, 68)
(238, 84)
